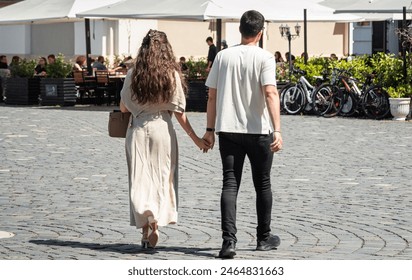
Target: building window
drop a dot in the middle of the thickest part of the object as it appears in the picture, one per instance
(363, 23)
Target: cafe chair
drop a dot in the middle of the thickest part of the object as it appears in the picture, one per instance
(105, 88)
(84, 86)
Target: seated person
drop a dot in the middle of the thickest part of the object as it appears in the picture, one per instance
(40, 69)
(80, 64)
(333, 57)
(291, 56)
(14, 62)
(51, 58)
(99, 64)
(183, 66)
(224, 45)
(305, 56)
(182, 63)
(4, 73)
(3, 62)
(278, 57)
(124, 65)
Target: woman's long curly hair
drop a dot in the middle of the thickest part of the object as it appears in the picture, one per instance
(153, 78)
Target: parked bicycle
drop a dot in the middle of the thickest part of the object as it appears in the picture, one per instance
(342, 96)
(371, 99)
(328, 98)
(297, 97)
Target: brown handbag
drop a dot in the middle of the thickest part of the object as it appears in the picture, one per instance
(118, 123)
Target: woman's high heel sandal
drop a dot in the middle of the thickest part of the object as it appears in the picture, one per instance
(154, 235)
(145, 237)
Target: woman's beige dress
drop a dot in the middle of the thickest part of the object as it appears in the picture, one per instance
(152, 157)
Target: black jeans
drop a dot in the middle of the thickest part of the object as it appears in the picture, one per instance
(233, 149)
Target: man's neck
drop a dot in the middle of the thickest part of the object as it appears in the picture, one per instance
(252, 41)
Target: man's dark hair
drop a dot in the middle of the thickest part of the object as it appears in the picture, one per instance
(251, 23)
(209, 39)
(51, 56)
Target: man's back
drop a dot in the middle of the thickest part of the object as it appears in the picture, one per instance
(238, 74)
(99, 66)
(243, 107)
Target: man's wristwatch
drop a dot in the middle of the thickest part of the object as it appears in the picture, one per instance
(210, 129)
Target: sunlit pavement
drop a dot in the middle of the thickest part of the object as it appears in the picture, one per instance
(342, 189)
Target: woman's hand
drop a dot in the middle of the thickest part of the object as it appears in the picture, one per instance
(184, 122)
(202, 144)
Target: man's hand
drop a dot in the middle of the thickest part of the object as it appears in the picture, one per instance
(209, 137)
(277, 142)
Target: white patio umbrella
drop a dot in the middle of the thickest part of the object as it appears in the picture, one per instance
(376, 6)
(278, 11)
(281, 11)
(156, 9)
(371, 10)
(50, 11)
(46, 11)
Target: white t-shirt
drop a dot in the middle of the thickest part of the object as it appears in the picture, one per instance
(238, 74)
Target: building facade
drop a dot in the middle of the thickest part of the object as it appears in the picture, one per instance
(118, 38)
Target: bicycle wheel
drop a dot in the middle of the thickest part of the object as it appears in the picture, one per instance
(375, 103)
(294, 100)
(336, 101)
(321, 99)
(282, 93)
(308, 109)
(349, 106)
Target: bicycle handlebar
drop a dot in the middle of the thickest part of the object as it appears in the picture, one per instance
(342, 71)
(298, 71)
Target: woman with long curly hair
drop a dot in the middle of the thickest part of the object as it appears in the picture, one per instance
(153, 91)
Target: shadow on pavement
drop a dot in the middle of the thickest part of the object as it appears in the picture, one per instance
(126, 248)
(82, 107)
(96, 108)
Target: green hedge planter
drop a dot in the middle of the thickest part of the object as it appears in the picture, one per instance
(57, 91)
(22, 91)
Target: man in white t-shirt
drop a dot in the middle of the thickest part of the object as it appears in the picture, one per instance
(243, 109)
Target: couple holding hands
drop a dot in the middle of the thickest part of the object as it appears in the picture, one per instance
(243, 110)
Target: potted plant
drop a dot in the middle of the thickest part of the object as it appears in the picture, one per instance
(22, 87)
(400, 101)
(57, 88)
(390, 69)
(197, 91)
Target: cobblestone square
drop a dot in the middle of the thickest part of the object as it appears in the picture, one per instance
(342, 190)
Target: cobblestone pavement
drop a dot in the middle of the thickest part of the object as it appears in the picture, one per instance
(342, 190)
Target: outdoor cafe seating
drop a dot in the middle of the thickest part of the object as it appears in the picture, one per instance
(102, 87)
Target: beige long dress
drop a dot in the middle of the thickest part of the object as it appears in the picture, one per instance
(152, 157)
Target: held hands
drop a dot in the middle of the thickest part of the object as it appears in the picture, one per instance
(202, 144)
(277, 142)
(209, 138)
